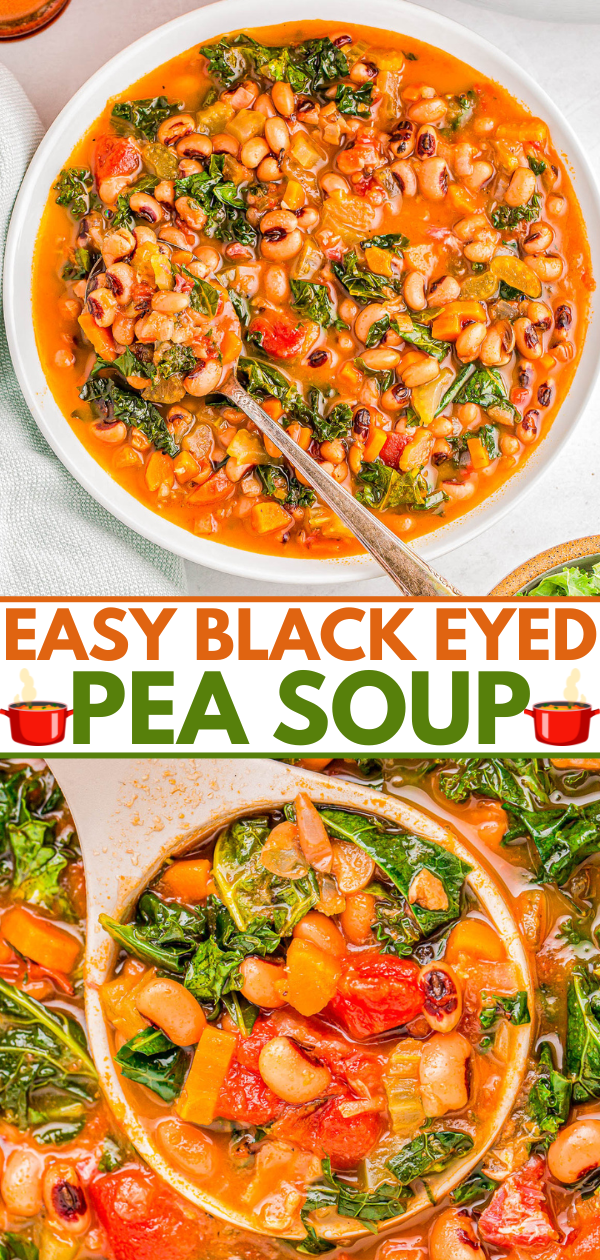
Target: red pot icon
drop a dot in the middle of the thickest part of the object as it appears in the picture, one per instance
(562, 721)
(39, 722)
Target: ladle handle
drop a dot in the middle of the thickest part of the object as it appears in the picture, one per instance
(412, 575)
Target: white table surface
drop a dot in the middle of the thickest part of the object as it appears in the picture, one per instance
(564, 59)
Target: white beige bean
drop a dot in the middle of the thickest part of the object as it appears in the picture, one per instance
(576, 1151)
(453, 1236)
(21, 1184)
(366, 318)
(318, 929)
(292, 1077)
(443, 1072)
(260, 981)
(521, 187)
(469, 341)
(414, 291)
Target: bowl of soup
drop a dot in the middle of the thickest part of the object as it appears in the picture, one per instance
(375, 224)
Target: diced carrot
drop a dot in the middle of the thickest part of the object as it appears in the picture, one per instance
(416, 454)
(311, 977)
(231, 347)
(187, 880)
(41, 939)
(314, 841)
(266, 517)
(533, 130)
(127, 457)
(182, 257)
(294, 195)
(375, 442)
(474, 936)
(547, 362)
(478, 453)
(216, 488)
(159, 471)
(453, 318)
(378, 260)
(118, 999)
(447, 327)
(101, 338)
(185, 467)
(461, 198)
(200, 1095)
(314, 763)
(273, 408)
(349, 377)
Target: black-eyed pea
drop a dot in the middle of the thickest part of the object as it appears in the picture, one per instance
(203, 378)
(275, 284)
(223, 143)
(428, 111)
(470, 226)
(479, 175)
(300, 433)
(64, 1197)
(442, 997)
(363, 72)
(405, 177)
(340, 472)
(397, 398)
(441, 428)
(444, 290)
(469, 341)
(498, 344)
(189, 166)
(355, 457)
(538, 239)
(283, 99)
(357, 917)
(174, 237)
(420, 371)
(243, 96)
(21, 1183)
(121, 280)
(403, 138)
(260, 982)
(576, 1151)
(432, 175)
(540, 315)
(253, 152)
(268, 172)
(548, 267)
(443, 1073)
(453, 1236)
(175, 128)
(143, 233)
(521, 187)
(146, 207)
(469, 415)
(484, 125)
(319, 930)
(509, 445)
(277, 135)
(414, 291)
(528, 428)
(112, 432)
(194, 146)
(281, 237)
(169, 303)
(191, 212)
(556, 206)
(307, 218)
(264, 105)
(527, 339)
(426, 143)
(333, 450)
(458, 490)
(381, 359)
(367, 317)
(331, 183)
(290, 1075)
(103, 307)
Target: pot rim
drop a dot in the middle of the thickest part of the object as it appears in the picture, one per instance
(50, 706)
(562, 706)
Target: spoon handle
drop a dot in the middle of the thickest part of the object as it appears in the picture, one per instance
(412, 575)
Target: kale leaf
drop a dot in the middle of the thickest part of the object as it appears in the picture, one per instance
(385, 488)
(460, 110)
(475, 1188)
(176, 360)
(17, 1247)
(537, 164)
(308, 67)
(513, 1008)
(394, 926)
(382, 1204)
(249, 890)
(144, 116)
(150, 1058)
(419, 335)
(280, 482)
(395, 241)
(485, 387)
(203, 297)
(361, 284)
(506, 217)
(46, 1073)
(427, 1153)
(110, 401)
(163, 934)
(519, 782)
(336, 424)
(402, 856)
(582, 1055)
(355, 101)
(73, 187)
(549, 1097)
(488, 436)
(262, 380)
(78, 265)
(313, 301)
(563, 837)
(127, 364)
(221, 201)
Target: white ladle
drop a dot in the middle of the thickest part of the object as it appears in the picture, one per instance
(131, 815)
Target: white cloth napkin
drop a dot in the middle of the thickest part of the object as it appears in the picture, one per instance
(54, 538)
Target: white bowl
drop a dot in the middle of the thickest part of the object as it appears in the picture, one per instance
(131, 64)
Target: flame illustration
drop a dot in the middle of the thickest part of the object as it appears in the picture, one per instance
(28, 691)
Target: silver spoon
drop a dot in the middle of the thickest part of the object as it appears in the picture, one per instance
(411, 574)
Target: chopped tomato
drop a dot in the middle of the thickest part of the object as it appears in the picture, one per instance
(327, 1131)
(244, 1096)
(143, 1219)
(518, 1215)
(248, 1048)
(375, 993)
(393, 447)
(277, 336)
(116, 155)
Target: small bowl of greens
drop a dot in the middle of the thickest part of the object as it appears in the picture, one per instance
(571, 569)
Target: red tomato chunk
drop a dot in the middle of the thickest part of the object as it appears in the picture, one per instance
(376, 993)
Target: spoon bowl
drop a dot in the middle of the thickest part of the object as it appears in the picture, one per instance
(132, 815)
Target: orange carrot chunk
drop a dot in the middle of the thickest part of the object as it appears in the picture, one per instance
(312, 977)
(187, 880)
(474, 936)
(41, 940)
(199, 1098)
(314, 841)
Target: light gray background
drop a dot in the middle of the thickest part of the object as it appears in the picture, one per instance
(564, 59)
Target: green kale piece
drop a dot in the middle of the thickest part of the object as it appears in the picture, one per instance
(280, 482)
(385, 488)
(313, 301)
(549, 1097)
(143, 117)
(494, 1007)
(427, 1153)
(506, 217)
(355, 101)
(582, 1054)
(163, 934)
(110, 401)
(78, 265)
(73, 187)
(521, 783)
(150, 1058)
(221, 201)
(249, 890)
